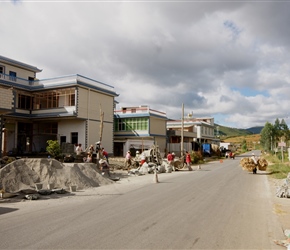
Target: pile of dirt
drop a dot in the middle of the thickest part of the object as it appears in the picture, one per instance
(25, 173)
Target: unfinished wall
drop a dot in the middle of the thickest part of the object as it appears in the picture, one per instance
(6, 98)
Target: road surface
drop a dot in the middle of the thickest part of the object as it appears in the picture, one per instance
(217, 207)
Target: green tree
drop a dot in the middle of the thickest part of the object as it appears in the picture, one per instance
(284, 130)
(244, 146)
(277, 133)
(53, 148)
(267, 136)
(281, 131)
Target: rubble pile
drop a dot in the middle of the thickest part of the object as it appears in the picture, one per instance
(248, 164)
(284, 190)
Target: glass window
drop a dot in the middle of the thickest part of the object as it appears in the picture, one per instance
(24, 101)
(12, 76)
(129, 124)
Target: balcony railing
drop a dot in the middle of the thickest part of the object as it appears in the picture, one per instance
(139, 110)
(18, 80)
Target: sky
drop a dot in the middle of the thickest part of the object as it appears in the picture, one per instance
(229, 60)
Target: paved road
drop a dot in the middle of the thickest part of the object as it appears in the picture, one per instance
(218, 207)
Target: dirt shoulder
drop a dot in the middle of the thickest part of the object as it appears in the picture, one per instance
(281, 206)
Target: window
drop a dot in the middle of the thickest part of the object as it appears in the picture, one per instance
(72, 99)
(47, 100)
(55, 98)
(12, 76)
(24, 101)
(31, 80)
(129, 124)
(74, 137)
(47, 128)
(2, 71)
(62, 140)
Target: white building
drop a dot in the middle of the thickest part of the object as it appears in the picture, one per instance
(66, 108)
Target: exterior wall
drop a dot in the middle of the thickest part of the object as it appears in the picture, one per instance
(161, 142)
(66, 127)
(107, 138)
(90, 102)
(157, 126)
(10, 136)
(207, 131)
(176, 147)
(6, 99)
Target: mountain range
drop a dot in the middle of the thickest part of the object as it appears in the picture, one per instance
(224, 131)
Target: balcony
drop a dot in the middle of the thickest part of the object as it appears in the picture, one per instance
(8, 79)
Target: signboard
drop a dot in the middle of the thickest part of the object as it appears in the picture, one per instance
(282, 144)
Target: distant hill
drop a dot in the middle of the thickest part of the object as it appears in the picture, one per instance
(255, 130)
(225, 132)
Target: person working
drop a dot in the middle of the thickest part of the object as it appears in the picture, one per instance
(104, 167)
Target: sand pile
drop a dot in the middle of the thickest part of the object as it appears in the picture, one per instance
(25, 173)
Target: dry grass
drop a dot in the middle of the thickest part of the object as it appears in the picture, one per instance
(252, 140)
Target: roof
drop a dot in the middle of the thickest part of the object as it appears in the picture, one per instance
(18, 64)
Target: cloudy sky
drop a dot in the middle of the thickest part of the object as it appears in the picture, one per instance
(224, 59)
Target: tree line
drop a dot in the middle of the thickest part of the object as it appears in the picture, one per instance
(272, 134)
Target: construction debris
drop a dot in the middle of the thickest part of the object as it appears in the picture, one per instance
(152, 161)
(284, 190)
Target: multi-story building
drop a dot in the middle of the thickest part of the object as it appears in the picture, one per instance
(195, 132)
(139, 128)
(73, 109)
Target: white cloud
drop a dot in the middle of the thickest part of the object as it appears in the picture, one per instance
(227, 60)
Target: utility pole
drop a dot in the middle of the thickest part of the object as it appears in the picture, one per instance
(99, 143)
(182, 130)
(2, 124)
(101, 123)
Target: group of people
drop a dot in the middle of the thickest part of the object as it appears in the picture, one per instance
(104, 161)
(89, 155)
(187, 160)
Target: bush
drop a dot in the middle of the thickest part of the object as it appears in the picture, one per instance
(53, 148)
(196, 157)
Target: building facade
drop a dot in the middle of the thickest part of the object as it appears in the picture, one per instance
(138, 128)
(68, 109)
(195, 132)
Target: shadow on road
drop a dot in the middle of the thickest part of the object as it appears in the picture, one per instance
(5, 210)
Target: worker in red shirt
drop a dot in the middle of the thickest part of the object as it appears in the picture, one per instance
(187, 159)
(169, 158)
(105, 154)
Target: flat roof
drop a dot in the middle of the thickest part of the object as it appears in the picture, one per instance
(19, 64)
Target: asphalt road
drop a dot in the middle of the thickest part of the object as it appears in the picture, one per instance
(218, 207)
